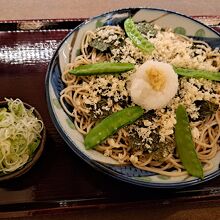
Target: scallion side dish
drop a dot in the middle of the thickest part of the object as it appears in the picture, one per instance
(20, 135)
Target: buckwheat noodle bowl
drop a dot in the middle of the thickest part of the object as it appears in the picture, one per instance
(149, 143)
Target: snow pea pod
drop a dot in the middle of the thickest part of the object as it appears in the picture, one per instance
(136, 37)
(101, 68)
(215, 76)
(111, 124)
(185, 145)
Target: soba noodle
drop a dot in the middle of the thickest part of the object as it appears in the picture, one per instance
(80, 92)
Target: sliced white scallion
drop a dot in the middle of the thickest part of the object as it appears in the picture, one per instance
(19, 135)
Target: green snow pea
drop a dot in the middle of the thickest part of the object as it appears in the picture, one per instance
(215, 76)
(185, 145)
(101, 68)
(111, 124)
(136, 37)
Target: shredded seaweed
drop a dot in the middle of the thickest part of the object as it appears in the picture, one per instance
(206, 108)
(99, 44)
(146, 28)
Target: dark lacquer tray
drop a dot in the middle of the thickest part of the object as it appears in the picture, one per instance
(60, 180)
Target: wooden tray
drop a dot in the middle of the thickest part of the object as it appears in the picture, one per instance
(61, 181)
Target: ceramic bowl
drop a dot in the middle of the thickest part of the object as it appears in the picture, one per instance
(32, 160)
(68, 50)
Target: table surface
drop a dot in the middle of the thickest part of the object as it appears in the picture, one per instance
(166, 208)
